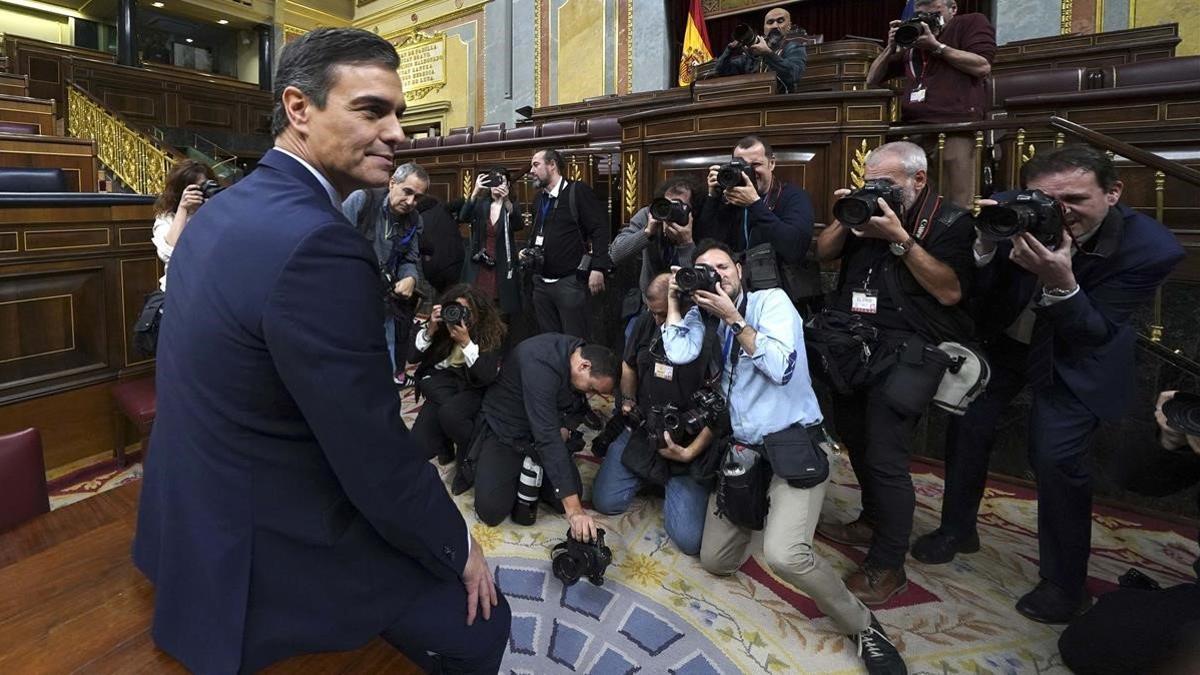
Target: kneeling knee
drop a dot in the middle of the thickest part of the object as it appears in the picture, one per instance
(718, 566)
(793, 557)
(490, 515)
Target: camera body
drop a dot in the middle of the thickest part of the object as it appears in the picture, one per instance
(484, 258)
(573, 559)
(455, 314)
(1031, 211)
(494, 178)
(910, 30)
(707, 408)
(744, 35)
(699, 277)
(210, 188)
(856, 208)
(533, 258)
(670, 211)
(729, 175)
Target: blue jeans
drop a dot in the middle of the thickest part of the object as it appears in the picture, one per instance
(389, 333)
(683, 511)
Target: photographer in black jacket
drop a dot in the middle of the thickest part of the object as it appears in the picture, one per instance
(759, 209)
(541, 381)
(903, 273)
(648, 453)
(458, 355)
(568, 222)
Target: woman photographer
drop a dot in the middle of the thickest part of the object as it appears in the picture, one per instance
(184, 193)
(493, 267)
(458, 356)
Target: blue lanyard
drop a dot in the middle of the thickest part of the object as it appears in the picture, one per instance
(746, 227)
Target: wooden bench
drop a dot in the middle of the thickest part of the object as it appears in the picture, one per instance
(71, 600)
(75, 156)
(23, 109)
(14, 85)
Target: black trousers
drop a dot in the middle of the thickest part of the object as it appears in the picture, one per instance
(434, 620)
(1136, 631)
(497, 472)
(446, 421)
(562, 306)
(878, 441)
(1060, 428)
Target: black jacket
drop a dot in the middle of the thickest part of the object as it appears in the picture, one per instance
(567, 236)
(477, 376)
(508, 270)
(783, 218)
(441, 245)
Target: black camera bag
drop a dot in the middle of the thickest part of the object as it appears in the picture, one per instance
(145, 329)
(845, 346)
(796, 457)
(914, 377)
(642, 459)
(742, 500)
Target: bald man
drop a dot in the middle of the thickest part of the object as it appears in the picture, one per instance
(768, 52)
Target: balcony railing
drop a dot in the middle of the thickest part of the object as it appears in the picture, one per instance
(134, 157)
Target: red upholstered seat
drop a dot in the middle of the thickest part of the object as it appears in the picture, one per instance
(526, 131)
(23, 493)
(134, 400)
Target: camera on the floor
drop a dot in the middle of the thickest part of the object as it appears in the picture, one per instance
(528, 490)
(909, 31)
(730, 175)
(1031, 211)
(856, 208)
(575, 559)
(455, 314)
(670, 211)
(699, 277)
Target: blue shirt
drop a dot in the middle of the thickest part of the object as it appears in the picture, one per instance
(769, 391)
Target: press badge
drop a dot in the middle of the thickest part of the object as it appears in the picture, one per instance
(537, 241)
(864, 301)
(917, 95)
(664, 371)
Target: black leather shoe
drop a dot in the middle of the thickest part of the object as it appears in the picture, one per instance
(940, 547)
(1047, 603)
(879, 655)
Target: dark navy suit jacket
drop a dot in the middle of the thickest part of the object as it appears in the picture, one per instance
(1117, 272)
(285, 508)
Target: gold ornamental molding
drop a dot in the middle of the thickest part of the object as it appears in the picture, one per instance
(132, 156)
(858, 165)
(1065, 19)
(322, 17)
(537, 55)
(467, 183)
(630, 184)
(422, 64)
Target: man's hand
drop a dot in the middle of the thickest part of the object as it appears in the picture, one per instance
(717, 304)
(887, 227)
(627, 406)
(481, 589)
(435, 321)
(891, 39)
(500, 193)
(680, 234)
(583, 527)
(926, 40)
(984, 246)
(596, 281)
(714, 188)
(1052, 268)
(1169, 438)
(759, 47)
(404, 287)
(653, 227)
(460, 334)
(673, 450)
(743, 195)
(191, 199)
(480, 188)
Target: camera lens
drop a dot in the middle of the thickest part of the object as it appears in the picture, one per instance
(660, 209)
(729, 177)
(855, 209)
(1003, 222)
(907, 34)
(566, 567)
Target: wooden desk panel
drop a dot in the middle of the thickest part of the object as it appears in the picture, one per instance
(14, 85)
(71, 598)
(27, 110)
(75, 156)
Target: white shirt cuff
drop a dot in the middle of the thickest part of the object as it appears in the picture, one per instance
(422, 341)
(982, 259)
(471, 353)
(1047, 300)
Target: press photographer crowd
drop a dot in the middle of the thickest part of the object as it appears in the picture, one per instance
(733, 381)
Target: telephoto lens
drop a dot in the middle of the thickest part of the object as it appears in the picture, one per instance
(528, 490)
(1030, 211)
(744, 35)
(697, 278)
(669, 211)
(730, 175)
(455, 314)
(856, 208)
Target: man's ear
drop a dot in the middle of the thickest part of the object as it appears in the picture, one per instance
(1114, 193)
(920, 179)
(295, 105)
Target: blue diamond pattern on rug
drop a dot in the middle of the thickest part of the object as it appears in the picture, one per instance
(648, 631)
(524, 583)
(588, 600)
(612, 662)
(523, 636)
(696, 664)
(568, 644)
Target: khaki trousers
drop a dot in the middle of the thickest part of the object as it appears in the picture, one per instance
(958, 166)
(788, 551)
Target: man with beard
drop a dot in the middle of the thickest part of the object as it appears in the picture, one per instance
(1059, 319)
(567, 220)
(903, 273)
(389, 219)
(786, 59)
(762, 210)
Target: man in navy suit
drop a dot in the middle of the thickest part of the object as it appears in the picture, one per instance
(285, 509)
(1059, 320)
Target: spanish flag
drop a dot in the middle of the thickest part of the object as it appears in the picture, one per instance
(695, 45)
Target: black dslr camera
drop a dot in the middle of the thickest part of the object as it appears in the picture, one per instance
(909, 31)
(856, 208)
(210, 189)
(730, 175)
(483, 258)
(698, 277)
(455, 314)
(669, 211)
(1029, 211)
(744, 35)
(574, 559)
(533, 258)
(494, 178)
(707, 408)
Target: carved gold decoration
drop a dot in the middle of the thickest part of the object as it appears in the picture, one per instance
(574, 172)
(537, 54)
(1059, 139)
(1065, 26)
(630, 184)
(467, 183)
(422, 64)
(978, 172)
(629, 47)
(858, 165)
(941, 152)
(1160, 199)
(1019, 148)
(133, 157)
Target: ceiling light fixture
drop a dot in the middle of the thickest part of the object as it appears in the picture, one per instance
(188, 40)
(157, 4)
(222, 21)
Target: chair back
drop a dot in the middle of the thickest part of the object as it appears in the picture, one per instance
(23, 492)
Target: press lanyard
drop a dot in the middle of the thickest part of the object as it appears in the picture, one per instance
(769, 199)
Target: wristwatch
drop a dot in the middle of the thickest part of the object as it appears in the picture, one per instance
(737, 327)
(941, 48)
(902, 248)
(1059, 292)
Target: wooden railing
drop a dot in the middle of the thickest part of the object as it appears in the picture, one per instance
(138, 160)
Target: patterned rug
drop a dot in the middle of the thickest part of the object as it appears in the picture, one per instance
(659, 612)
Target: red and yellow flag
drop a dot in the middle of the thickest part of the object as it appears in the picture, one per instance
(695, 45)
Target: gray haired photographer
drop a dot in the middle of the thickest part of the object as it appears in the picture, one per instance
(750, 52)
(773, 468)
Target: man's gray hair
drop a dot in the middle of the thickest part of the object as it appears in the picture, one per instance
(910, 155)
(925, 3)
(410, 169)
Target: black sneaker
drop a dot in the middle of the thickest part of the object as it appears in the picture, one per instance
(878, 653)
